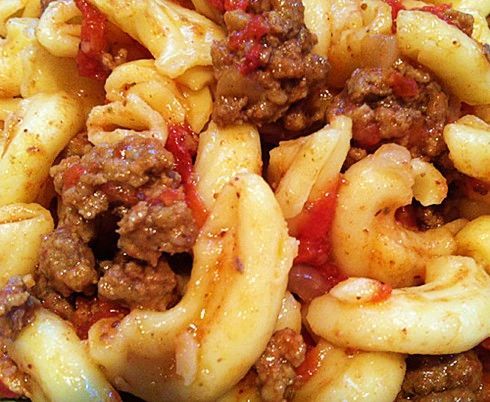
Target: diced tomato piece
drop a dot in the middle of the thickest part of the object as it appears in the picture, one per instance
(404, 87)
(5, 392)
(252, 59)
(178, 144)
(93, 42)
(72, 175)
(256, 28)
(310, 365)
(312, 229)
(230, 5)
(88, 312)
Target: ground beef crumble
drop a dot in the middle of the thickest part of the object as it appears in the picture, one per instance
(121, 206)
(67, 262)
(276, 367)
(17, 307)
(401, 104)
(266, 70)
(444, 378)
(136, 285)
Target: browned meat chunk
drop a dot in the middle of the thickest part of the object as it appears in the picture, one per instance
(266, 70)
(51, 299)
(276, 375)
(402, 104)
(67, 262)
(116, 199)
(442, 378)
(148, 229)
(138, 286)
(16, 311)
(16, 306)
(115, 175)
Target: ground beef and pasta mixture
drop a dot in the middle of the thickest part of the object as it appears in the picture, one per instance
(127, 210)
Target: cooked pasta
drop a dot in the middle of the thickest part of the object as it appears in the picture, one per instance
(244, 200)
(32, 138)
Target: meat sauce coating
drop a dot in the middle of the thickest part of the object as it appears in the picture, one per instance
(401, 104)
(443, 378)
(128, 200)
(265, 68)
(124, 201)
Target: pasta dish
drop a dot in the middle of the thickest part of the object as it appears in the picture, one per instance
(245, 200)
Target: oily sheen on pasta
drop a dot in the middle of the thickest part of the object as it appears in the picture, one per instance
(244, 200)
(204, 345)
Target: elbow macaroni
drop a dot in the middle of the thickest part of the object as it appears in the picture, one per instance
(385, 250)
(21, 228)
(178, 38)
(428, 319)
(204, 347)
(33, 136)
(428, 40)
(59, 363)
(345, 375)
(302, 170)
(56, 33)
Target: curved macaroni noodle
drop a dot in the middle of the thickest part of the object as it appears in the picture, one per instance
(385, 250)
(51, 353)
(32, 138)
(303, 169)
(428, 319)
(21, 229)
(178, 38)
(17, 8)
(203, 346)
(222, 154)
(428, 40)
(468, 140)
(344, 375)
(474, 240)
(56, 33)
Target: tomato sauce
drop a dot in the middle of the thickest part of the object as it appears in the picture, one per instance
(88, 312)
(5, 392)
(93, 42)
(72, 175)
(383, 293)
(249, 39)
(309, 367)
(312, 229)
(178, 144)
(229, 5)
(313, 274)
